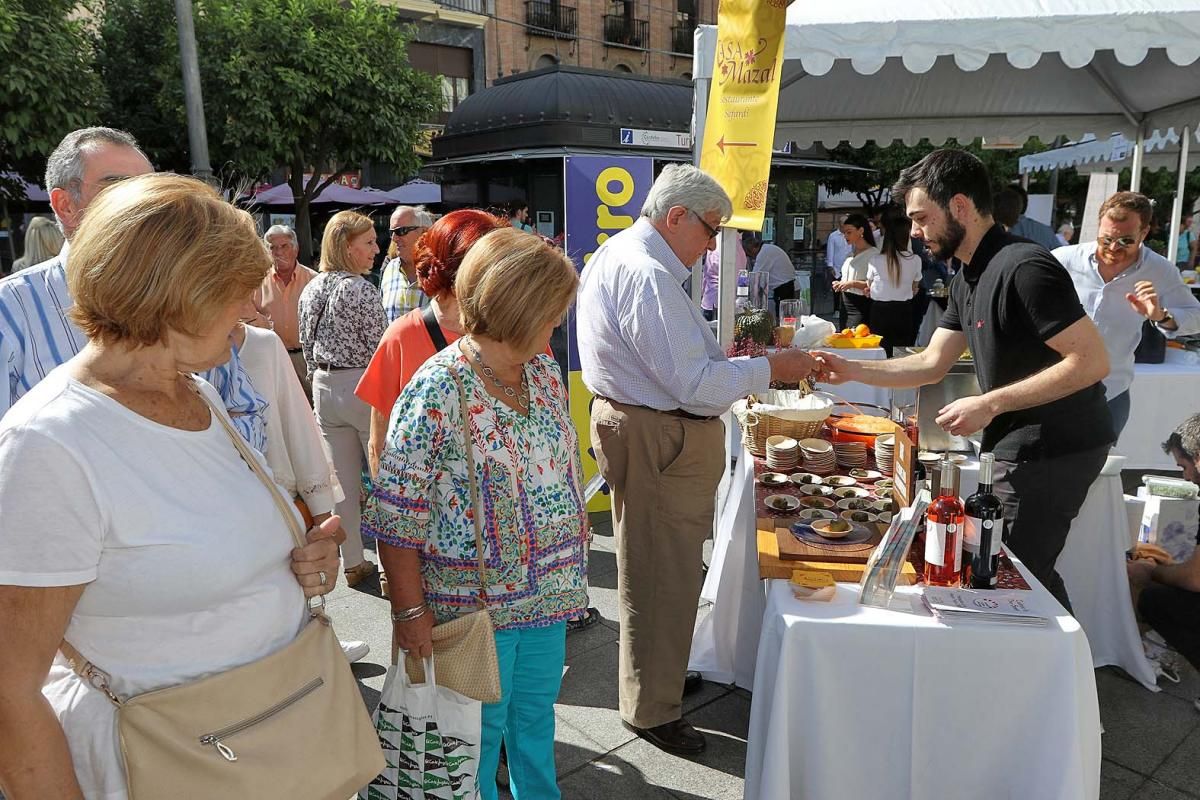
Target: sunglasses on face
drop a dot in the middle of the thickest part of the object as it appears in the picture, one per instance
(1122, 243)
(712, 232)
(405, 231)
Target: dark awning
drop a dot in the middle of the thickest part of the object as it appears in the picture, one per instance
(533, 153)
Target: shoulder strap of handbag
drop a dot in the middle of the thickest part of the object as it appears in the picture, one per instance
(435, 330)
(100, 679)
(476, 508)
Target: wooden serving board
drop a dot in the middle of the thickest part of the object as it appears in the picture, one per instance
(793, 549)
(770, 565)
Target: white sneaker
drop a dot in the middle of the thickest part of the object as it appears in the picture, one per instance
(355, 651)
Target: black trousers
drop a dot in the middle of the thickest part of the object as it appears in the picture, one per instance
(1175, 614)
(858, 309)
(784, 291)
(892, 319)
(1041, 499)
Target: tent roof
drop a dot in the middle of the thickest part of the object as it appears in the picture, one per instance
(281, 195)
(1093, 154)
(864, 70)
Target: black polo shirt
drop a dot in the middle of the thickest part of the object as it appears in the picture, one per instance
(1009, 300)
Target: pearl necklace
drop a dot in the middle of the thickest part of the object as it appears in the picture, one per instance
(522, 398)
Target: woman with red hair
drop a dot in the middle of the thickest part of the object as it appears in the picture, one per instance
(415, 337)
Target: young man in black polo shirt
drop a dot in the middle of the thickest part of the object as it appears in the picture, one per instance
(1038, 357)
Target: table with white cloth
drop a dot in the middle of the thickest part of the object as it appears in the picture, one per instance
(858, 702)
(859, 392)
(731, 645)
(1162, 396)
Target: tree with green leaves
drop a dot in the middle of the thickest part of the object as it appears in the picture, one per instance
(872, 189)
(47, 85)
(316, 86)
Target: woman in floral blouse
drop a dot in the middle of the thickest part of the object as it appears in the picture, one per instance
(341, 323)
(512, 291)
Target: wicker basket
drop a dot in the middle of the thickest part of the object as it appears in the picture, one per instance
(758, 426)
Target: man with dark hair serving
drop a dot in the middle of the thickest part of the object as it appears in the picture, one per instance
(1038, 357)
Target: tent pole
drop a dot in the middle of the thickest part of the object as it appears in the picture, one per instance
(699, 113)
(1139, 149)
(1177, 206)
(727, 286)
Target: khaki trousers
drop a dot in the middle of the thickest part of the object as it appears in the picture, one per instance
(663, 471)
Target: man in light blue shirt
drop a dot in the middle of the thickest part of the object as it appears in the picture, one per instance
(1121, 283)
(661, 383)
(1031, 229)
(36, 333)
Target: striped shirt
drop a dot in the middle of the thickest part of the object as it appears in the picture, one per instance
(399, 296)
(36, 335)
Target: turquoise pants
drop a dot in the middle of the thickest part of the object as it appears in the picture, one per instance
(531, 664)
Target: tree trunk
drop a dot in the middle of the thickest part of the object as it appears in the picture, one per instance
(303, 222)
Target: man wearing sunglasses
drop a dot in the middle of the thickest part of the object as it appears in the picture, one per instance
(1122, 283)
(401, 292)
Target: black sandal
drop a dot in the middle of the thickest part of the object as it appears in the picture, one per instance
(590, 618)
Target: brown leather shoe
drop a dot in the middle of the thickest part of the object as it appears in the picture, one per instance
(677, 736)
(356, 575)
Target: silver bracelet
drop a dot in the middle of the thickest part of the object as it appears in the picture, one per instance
(409, 614)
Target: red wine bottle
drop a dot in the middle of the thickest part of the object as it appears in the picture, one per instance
(985, 530)
(944, 532)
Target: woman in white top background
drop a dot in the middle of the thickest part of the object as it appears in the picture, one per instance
(857, 230)
(893, 276)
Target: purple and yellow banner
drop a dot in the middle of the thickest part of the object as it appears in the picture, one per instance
(603, 196)
(739, 131)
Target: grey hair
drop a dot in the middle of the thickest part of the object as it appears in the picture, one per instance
(1066, 226)
(1185, 439)
(424, 218)
(276, 230)
(64, 168)
(687, 186)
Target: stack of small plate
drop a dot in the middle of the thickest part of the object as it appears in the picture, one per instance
(850, 455)
(783, 453)
(818, 456)
(885, 448)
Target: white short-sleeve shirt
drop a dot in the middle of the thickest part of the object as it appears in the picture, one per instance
(185, 556)
(879, 278)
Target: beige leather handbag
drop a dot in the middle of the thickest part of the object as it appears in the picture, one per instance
(464, 649)
(292, 724)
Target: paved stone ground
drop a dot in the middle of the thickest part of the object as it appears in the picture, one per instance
(1151, 744)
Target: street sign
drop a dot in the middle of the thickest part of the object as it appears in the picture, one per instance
(638, 137)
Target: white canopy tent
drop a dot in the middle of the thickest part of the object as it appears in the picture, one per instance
(1092, 154)
(881, 70)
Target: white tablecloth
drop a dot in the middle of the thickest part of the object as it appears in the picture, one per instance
(1161, 397)
(1092, 565)
(857, 702)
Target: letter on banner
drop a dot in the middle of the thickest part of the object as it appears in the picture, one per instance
(740, 129)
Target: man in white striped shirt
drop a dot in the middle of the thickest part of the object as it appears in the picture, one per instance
(36, 334)
(661, 381)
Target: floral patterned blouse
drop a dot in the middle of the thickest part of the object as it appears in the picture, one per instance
(530, 487)
(341, 321)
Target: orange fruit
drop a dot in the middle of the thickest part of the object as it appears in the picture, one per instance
(847, 332)
(861, 331)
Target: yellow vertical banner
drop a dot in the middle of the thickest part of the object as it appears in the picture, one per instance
(739, 131)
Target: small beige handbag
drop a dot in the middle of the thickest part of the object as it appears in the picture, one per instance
(464, 649)
(292, 724)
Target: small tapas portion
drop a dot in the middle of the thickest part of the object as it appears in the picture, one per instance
(783, 502)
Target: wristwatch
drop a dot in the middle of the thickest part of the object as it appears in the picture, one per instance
(1166, 317)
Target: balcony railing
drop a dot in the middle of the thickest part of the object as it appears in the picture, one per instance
(682, 39)
(474, 6)
(626, 31)
(548, 18)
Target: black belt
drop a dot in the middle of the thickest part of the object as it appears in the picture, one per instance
(332, 368)
(295, 349)
(674, 412)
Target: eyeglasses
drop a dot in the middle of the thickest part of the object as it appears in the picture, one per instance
(1122, 243)
(405, 231)
(712, 232)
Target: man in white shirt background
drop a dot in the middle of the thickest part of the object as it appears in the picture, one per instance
(771, 259)
(837, 250)
(661, 381)
(277, 301)
(1121, 283)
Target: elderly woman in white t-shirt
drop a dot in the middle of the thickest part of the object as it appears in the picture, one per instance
(130, 525)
